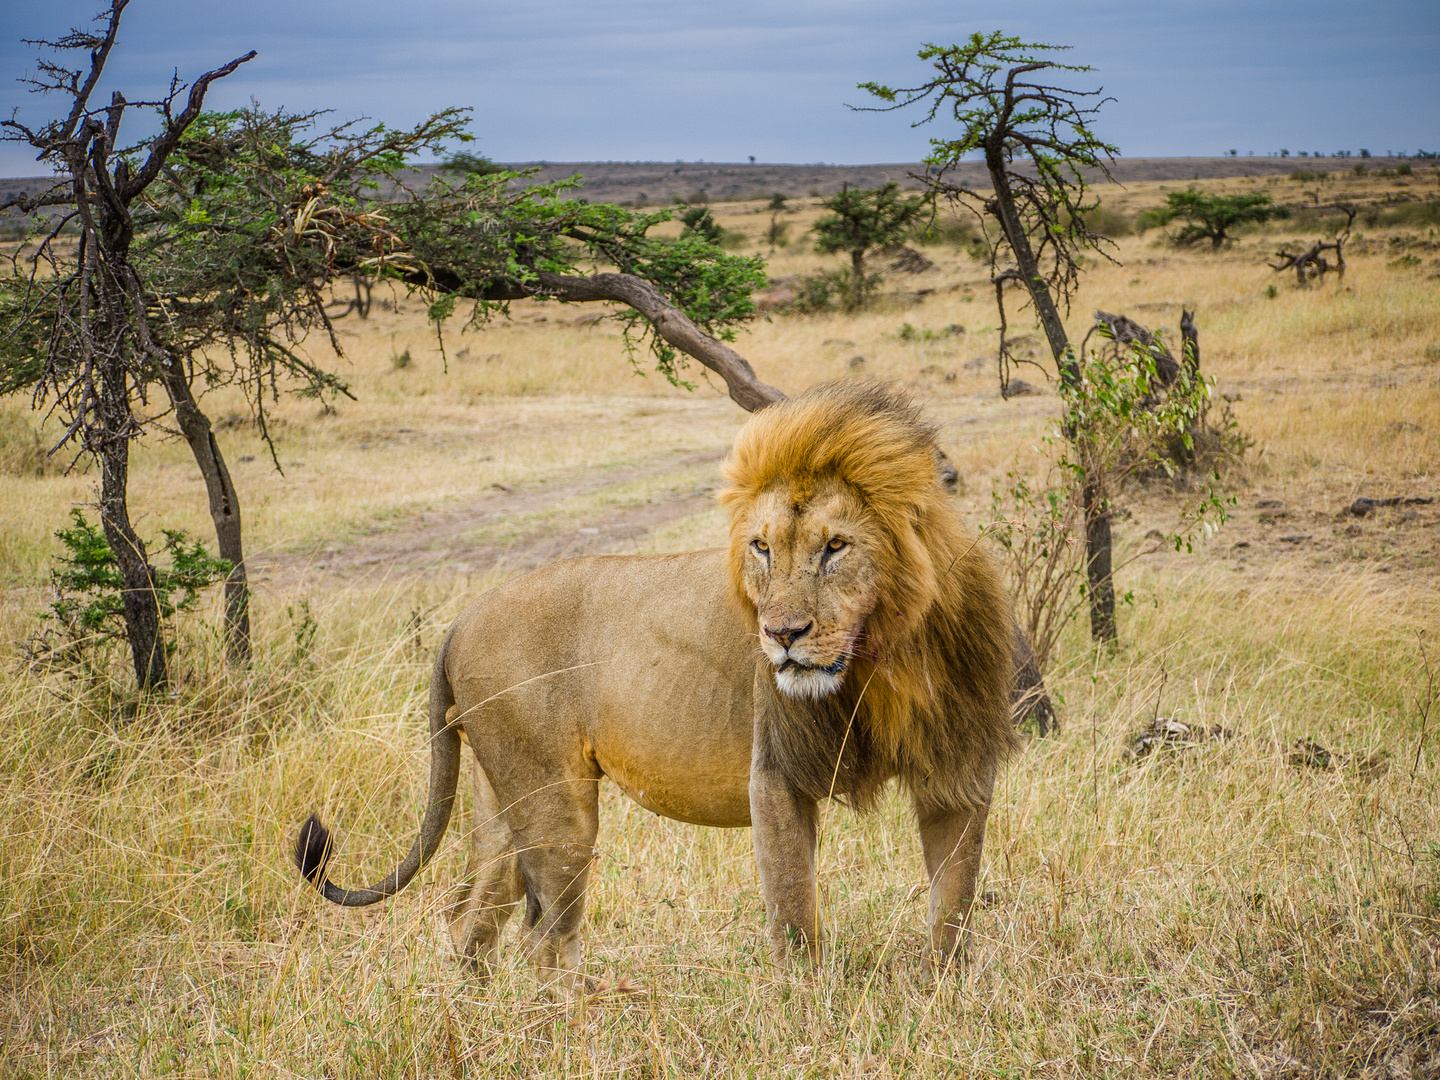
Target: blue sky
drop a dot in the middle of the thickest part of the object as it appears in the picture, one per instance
(642, 79)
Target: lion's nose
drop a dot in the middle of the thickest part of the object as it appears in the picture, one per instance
(788, 635)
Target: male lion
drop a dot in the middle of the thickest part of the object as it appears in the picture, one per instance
(851, 632)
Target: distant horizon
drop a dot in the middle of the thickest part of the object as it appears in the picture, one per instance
(1354, 158)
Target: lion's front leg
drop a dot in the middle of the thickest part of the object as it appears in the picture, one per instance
(784, 830)
(952, 841)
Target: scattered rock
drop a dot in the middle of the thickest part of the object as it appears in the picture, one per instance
(1019, 388)
(978, 363)
(1163, 733)
(955, 329)
(1309, 754)
(1295, 538)
(1240, 544)
(502, 487)
(907, 260)
(247, 458)
(1154, 534)
(589, 320)
(1353, 530)
(1365, 505)
(1406, 425)
(1270, 504)
(855, 363)
(838, 343)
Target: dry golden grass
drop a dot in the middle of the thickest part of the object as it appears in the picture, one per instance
(1216, 912)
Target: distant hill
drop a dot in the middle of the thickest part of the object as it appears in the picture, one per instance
(659, 182)
(655, 182)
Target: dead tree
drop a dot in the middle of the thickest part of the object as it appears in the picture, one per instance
(1311, 264)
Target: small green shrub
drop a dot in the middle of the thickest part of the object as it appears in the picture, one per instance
(1414, 215)
(1153, 218)
(1106, 221)
(89, 608)
(830, 290)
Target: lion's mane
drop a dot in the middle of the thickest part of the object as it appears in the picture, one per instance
(927, 698)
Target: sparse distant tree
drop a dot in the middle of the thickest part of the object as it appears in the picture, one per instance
(472, 164)
(1035, 138)
(862, 219)
(1211, 217)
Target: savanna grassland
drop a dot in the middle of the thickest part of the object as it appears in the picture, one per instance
(1226, 910)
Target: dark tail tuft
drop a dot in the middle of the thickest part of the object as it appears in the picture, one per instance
(312, 850)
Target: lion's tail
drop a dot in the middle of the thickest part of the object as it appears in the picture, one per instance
(313, 846)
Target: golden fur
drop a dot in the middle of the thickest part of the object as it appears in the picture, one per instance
(931, 681)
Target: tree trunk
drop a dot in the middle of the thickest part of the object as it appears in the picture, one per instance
(224, 508)
(1097, 562)
(140, 600)
(1045, 308)
(857, 276)
(1097, 520)
(1028, 698)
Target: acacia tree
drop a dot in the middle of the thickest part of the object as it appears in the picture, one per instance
(1035, 138)
(1210, 217)
(864, 218)
(91, 350)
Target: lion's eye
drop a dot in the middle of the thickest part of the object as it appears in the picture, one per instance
(836, 544)
(760, 546)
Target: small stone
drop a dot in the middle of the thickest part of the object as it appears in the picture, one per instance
(1295, 538)
(856, 363)
(1019, 388)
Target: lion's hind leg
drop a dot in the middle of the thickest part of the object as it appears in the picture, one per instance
(483, 902)
(556, 848)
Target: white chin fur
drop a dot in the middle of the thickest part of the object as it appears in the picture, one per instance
(806, 682)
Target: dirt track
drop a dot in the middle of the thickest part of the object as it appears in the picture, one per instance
(514, 529)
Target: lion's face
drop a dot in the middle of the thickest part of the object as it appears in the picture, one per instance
(809, 568)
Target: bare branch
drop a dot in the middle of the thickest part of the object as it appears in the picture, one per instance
(162, 147)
